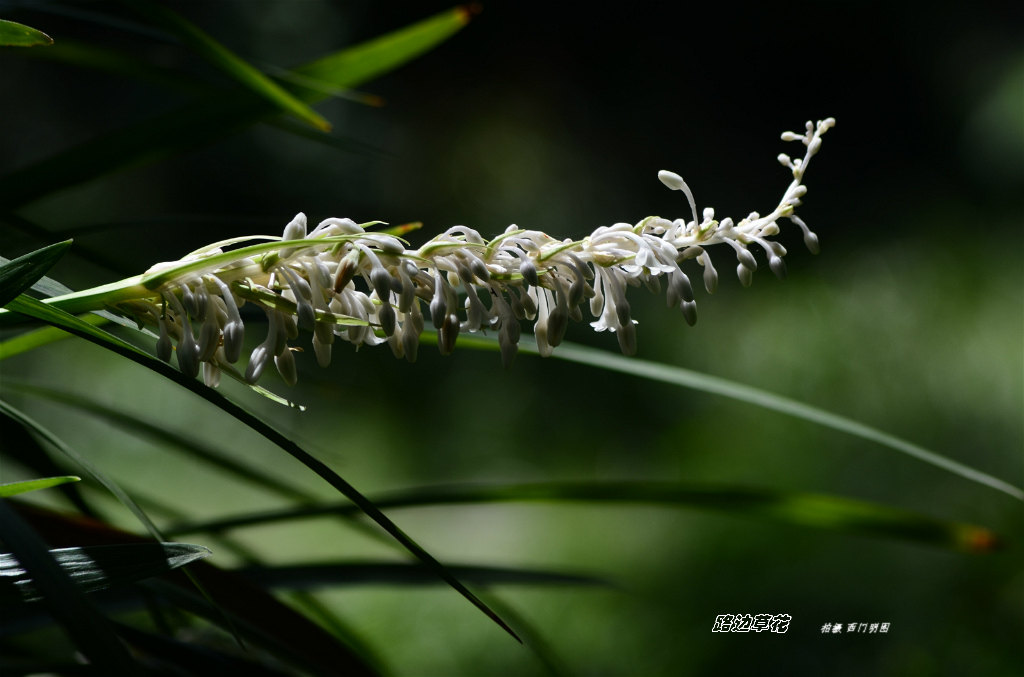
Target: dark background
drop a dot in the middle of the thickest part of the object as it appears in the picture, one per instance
(557, 116)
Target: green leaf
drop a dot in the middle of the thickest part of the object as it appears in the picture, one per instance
(16, 35)
(315, 576)
(100, 566)
(38, 338)
(811, 510)
(116, 62)
(211, 117)
(86, 626)
(137, 426)
(686, 378)
(31, 424)
(223, 58)
(21, 273)
(51, 315)
(15, 488)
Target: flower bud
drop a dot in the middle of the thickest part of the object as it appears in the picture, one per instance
(387, 319)
(627, 338)
(448, 334)
(745, 274)
(410, 339)
(285, 363)
(322, 350)
(509, 349)
(778, 267)
(746, 258)
(689, 309)
(710, 275)
(257, 363)
(295, 230)
(529, 272)
(234, 333)
(671, 179)
(211, 375)
(791, 136)
(209, 338)
(479, 269)
(188, 355)
(811, 242)
(622, 312)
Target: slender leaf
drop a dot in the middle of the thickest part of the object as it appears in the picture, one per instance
(88, 629)
(20, 274)
(16, 35)
(116, 62)
(211, 117)
(31, 424)
(14, 488)
(255, 614)
(223, 58)
(686, 378)
(191, 658)
(38, 338)
(18, 445)
(812, 510)
(314, 576)
(33, 308)
(100, 566)
(138, 426)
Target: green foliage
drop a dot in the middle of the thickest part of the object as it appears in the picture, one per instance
(16, 35)
(14, 488)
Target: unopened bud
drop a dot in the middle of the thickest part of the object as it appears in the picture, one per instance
(286, 367)
(745, 274)
(778, 267)
(689, 309)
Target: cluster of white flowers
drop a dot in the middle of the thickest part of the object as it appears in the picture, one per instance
(310, 281)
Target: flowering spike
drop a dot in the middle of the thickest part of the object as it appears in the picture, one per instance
(366, 287)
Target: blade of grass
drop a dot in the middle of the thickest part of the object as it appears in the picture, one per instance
(804, 509)
(14, 488)
(223, 58)
(49, 314)
(116, 62)
(38, 338)
(258, 615)
(98, 475)
(17, 444)
(686, 378)
(17, 35)
(307, 577)
(211, 117)
(20, 274)
(85, 625)
(138, 426)
(98, 567)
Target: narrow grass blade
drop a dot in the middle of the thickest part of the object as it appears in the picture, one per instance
(86, 626)
(31, 307)
(138, 426)
(20, 274)
(100, 566)
(98, 475)
(719, 386)
(209, 118)
(116, 62)
(812, 510)
(16, 444)
(223, 58)
(191, 658)
(333, 140)
(16, 35)
(38, 338)
(255, 614)
(14, 488)
(311, 577)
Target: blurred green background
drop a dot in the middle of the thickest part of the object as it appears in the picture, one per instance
(558, 117)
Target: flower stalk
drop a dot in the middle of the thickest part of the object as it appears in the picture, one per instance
(340, 281)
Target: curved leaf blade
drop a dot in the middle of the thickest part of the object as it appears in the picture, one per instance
(230, 63)
(86, 626)
(715, 385)
(51, 315)
(18, 35)
(14, 488)
(209, 118)
(804, 509)
(100, 566)
(314, 576)
(20, 274)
